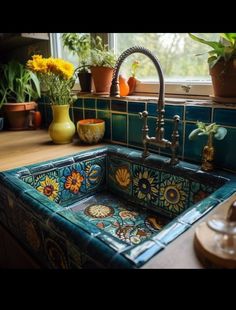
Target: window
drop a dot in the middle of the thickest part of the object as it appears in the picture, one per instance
(183, 70)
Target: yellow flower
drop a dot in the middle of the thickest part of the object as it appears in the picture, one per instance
(56, 76)
(49, 187)
(74, 182)
(123, 177)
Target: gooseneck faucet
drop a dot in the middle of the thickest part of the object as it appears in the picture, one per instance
(159, 139)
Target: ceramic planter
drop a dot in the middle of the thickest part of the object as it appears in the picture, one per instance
(17, 114)
(91, 131)
(224, 78)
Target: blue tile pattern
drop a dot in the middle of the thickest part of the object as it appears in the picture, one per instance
(106, 208)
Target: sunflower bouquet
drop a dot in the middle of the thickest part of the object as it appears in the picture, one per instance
(56, 77)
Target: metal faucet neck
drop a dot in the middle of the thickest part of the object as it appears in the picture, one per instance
(115, 92)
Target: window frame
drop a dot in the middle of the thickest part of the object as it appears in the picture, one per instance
(189, 89)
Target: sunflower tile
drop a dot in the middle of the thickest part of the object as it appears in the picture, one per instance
(174, 192)
(145, 185)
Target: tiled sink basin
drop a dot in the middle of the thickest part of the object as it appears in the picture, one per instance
(106, 207)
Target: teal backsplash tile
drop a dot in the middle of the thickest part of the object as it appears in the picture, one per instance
(106, 116)
(172, 110)
(89, 103)
(225, 150)
(152, 126)
(169, 125)
(78, 103)
(119, 105)
(136, 107)
(202, 114)
(193, 149)
(78, 115)
(90, 113)
(119, 127)
(135, 130)
(152, 108)
(103, 104)
(225, 117)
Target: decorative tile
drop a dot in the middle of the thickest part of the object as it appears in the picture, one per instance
(56, 250)
(119, 105)
(199, 192)
(72, 181)
(49, 185)
(95, 173)
(145, 184)
(202, 114)
(28, 179)
(119, 127)
(30, 232)
(89, 103)
(106, 116)
(174, 192)
(119, 175)
(135, 107)
(103, 104)
(112, 215)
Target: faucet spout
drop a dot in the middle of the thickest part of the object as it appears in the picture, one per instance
(159, 139)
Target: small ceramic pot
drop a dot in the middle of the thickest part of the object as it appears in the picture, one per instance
(91, 130)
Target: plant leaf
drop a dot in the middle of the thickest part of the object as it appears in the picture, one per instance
(221, 133)
(193, 135)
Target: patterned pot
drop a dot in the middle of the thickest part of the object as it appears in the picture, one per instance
(91, 130)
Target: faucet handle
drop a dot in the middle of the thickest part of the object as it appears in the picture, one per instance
(143, 114)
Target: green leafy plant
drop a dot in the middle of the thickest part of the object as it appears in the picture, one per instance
(18, 84)
(223, 49)
(100, 55)
(80, 45)
(217, 131)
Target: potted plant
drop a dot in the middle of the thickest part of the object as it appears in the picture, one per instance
(211, 131)
(222, 63)
(56, 77)
(80, 45)
(102, 64)
(18, 89)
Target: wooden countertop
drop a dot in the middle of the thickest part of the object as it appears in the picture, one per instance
(19, 148)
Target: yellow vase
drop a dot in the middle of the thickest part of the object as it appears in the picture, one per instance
(62, 129)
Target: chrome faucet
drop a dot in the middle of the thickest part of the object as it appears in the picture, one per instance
(159, 139)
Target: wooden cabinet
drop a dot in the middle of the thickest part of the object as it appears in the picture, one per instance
(21, 46)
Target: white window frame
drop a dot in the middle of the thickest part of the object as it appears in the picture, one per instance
(189, 89)
(172, 89)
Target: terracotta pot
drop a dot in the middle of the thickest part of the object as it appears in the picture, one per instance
(91, 130)
(17, 114)
(102, 77)
(62, 129)
(224, 78)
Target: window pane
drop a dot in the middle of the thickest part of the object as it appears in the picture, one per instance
(175, 51)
